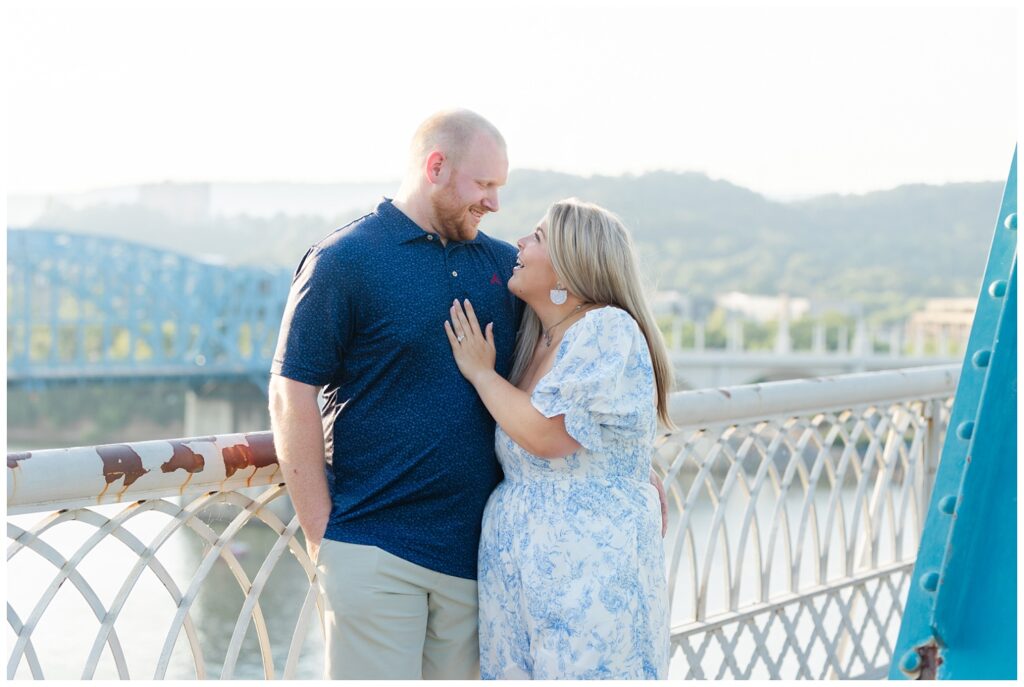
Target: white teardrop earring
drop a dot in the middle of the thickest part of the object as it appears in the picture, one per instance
(559, 295)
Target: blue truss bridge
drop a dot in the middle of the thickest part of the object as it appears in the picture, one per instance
(92, 308)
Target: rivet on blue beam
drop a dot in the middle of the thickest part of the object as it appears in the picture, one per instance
(965, 429)
(1011, 221)
(911, 662)
(948, 504)
(930, 581)
(997, 289)
(981, 358)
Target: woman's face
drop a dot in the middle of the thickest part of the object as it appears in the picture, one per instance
(533, 277)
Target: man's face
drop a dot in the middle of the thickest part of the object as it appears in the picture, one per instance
(471, 190)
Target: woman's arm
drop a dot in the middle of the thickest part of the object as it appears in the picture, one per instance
(510, 407)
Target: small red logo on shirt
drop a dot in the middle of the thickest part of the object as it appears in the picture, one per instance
(495, 279)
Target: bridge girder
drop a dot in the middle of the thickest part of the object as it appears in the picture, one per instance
(84, 306)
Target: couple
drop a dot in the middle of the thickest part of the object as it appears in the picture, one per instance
(411, 320)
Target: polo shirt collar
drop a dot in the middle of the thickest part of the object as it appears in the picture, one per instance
(402, 228)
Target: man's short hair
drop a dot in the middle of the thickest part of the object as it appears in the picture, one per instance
(449, 131)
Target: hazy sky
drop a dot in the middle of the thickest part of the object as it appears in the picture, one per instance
(786, 101)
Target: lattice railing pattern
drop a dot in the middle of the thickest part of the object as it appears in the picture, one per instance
(811, 636)
(793, 529)
(212, 531)
(786, 528)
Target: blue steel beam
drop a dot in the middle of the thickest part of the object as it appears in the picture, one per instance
(84, 307)
(960, 620)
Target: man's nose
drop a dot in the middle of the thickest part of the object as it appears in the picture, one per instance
(491, 201)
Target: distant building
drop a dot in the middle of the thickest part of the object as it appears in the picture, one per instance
(695, 308)
(944, 319)
(763, 308)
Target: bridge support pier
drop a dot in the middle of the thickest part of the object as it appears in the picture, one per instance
(225, 409)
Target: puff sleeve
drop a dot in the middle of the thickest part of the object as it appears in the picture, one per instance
(600, 381)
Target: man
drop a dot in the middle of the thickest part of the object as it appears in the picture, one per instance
(394, 523)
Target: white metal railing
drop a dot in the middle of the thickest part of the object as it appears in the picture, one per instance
(215, 502)
(799, 506)
(795, 513)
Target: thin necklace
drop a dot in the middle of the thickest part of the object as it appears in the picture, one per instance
(547, 332)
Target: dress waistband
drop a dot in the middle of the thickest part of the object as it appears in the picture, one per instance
(558, 477)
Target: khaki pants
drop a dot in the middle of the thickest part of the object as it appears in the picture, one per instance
(387, 618)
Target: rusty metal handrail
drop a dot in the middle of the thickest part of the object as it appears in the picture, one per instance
(84, 476)
(122, 473)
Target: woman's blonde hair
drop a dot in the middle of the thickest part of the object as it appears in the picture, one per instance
(593, 256)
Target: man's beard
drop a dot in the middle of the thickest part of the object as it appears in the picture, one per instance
(454, 220)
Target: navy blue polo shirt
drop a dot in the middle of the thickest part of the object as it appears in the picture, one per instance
(410, 444)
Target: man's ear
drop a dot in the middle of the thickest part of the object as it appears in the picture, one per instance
(435, 166)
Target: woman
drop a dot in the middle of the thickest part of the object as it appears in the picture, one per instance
(571, 565)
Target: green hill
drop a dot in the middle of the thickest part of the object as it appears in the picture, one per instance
(703, 236)
(885, 250)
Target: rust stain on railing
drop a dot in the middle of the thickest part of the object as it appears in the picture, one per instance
(184, 458)
(258, 452)
(14, 458)
(119, 461)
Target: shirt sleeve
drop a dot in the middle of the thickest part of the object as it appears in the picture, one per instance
(317, 324)
(599, 380)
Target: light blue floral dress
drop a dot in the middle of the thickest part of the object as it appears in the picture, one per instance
(572, 573)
